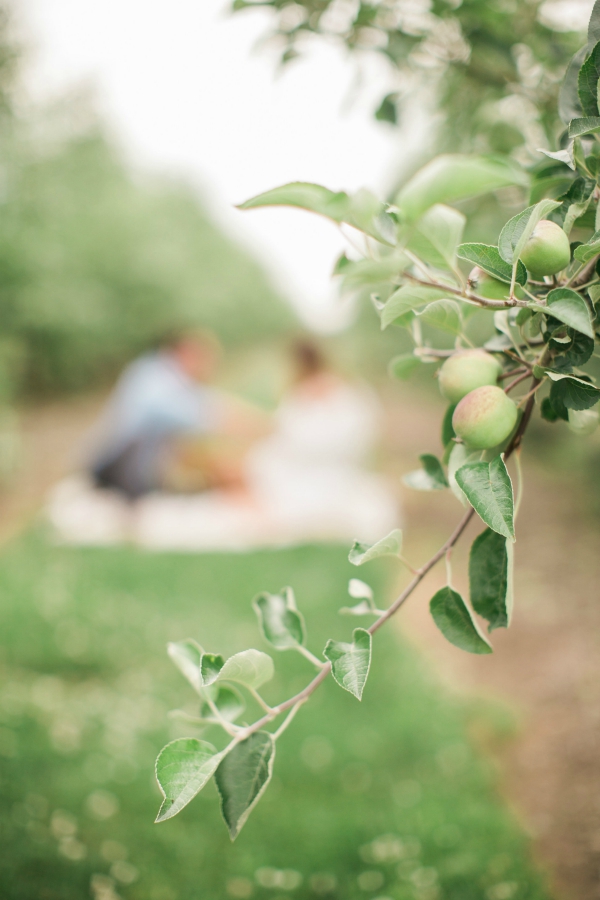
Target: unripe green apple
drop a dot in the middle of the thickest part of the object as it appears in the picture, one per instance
(547, 251)
(485, 417)
(486, 285)
(466, 370)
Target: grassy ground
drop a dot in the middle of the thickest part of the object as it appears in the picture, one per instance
(85, 690)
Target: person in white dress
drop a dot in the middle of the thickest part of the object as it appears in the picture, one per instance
(310, 475)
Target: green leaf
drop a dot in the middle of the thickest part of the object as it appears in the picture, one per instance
(350, 663)
(387, 111)
(364, 608)
(488, 488)
(587, 83)
(548, 185)
(199, 668)
(579, 351)
(305, 195)
(363, 210)
(570, 392)
(210, 666)
(250, 667)
(430, 478)
(437, 235)
(488, 258)
(242, 778)
(459, 456)
(369, 272)
(408, 298)
(585, 252)
(548, 412)
(182, 769)
(228, 701)
(594, 24)
(489, 578)
(453, 617)
(281, 623)
(404, 365)
(585, 125)
(569, 105)
(517, 230)
(594, 293)
(574, 203)
(442, 314)
(187, 656)
(453, 177)
(369, 214)
(391, 545)
(448, 432)
(568, 307)
(359, 590)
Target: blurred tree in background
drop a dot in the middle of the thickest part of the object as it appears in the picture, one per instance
(95, 264)
(478, 62)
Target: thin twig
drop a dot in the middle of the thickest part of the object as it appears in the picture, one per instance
(581, 275)
(519, 483)
(516, 371)
(261, 702)
(310, 657)
(293, 703)
(467, 295)
(517, 381)
(288, 718)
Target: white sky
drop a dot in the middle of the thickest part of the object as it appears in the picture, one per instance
(184, 89)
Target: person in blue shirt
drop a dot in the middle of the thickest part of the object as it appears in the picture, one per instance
(161, 398)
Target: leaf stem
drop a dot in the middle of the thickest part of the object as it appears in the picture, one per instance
(289, 718)
(310, 657)
(259, 699)
(293, 703)
(406, 563)
(519, 483)
(517, 381)
(467, 295)
(449, 566)
(229, 727)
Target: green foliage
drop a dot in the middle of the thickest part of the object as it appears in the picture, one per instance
(251, 668)
(98, 265)
(490, 578)
(489, 259)
(518, 230)
(488, 488)
(182, 769)
(430, 478)
(453, 617)
(450, 178)
(243, 776)
(281, 623)
(570, 308)
(545, 329)
(350, 663)
(84, 688)
(391, 545)
(474, 54)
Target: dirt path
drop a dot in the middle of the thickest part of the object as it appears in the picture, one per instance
(547, 665)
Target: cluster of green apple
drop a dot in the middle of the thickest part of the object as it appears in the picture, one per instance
(485, 415)
(546, 252)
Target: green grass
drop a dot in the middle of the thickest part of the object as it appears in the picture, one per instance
(85, 690)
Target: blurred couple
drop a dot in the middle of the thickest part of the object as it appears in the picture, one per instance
(189, 466)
